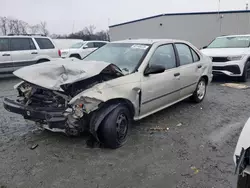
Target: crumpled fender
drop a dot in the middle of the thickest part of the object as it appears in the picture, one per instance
(98, 117)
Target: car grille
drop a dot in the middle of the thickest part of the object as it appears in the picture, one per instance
(219, 59)
(231, 68)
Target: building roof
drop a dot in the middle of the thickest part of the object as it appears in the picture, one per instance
(181, 14)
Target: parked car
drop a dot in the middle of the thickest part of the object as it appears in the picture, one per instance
(80, 50)
(23, 50)
(242, 157)
(230, 55)
(65, 43)
(119, 82)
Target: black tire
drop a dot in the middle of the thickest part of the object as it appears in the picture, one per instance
(245, 74)
(243, 182)
(114, 129)
(42, 61)
(196, 97)
(76, 56)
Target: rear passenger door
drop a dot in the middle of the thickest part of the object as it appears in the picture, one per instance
(23, 52)
(190, 68)
(6, 65)
(47, 49)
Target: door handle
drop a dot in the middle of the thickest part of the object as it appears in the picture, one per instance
(177, 74)
(199, 66)
(6, 55)
(34, 53)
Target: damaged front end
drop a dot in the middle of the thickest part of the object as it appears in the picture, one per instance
(54, 109)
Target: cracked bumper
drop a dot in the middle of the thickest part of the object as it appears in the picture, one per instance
(52, 117)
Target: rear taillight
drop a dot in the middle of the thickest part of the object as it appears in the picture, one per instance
(59, 53)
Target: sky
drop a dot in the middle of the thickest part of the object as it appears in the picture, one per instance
(67, 16)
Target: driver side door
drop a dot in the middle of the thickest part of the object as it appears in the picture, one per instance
(162, 89)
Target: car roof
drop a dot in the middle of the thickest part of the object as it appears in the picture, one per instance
(245, 35)
(148, 41)
(24, 36)
(95, 41)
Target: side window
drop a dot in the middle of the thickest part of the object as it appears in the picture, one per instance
(20, 44)
(165, 56)
(4, 44)
(184, 54)
(44, 43)
(195, 56)
(90, 45)
(99, 44)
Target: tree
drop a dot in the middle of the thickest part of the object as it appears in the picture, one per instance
(43, 28)
(4, 25)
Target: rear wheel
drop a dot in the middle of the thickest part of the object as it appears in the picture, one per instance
(243, 182)
(42, 61)
(246, 72)
(115, 127)
(200, 92)
(76, 56)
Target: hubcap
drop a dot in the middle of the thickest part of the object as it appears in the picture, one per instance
(201, 90)
(121, 127)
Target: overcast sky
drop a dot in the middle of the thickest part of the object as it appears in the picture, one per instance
(61, 14)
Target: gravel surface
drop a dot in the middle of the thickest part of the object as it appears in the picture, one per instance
(196, 151)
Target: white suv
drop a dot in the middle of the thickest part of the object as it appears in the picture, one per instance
(23, 50)
(230, 55)
(82, 49)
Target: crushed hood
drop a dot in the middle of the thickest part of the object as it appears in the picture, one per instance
(53, 74)
(224, 52)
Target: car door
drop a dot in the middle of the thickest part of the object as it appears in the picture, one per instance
(6, 65)
(160, 90)
(23, 52)
(190, 68)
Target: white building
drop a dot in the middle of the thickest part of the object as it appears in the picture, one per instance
(199, 28)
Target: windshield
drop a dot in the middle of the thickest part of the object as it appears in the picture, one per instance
(231, 42)
(126, 56)
(77, 45)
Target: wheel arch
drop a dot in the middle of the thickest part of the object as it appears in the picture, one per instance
(206, 78)
(76, 55)
(105, 108)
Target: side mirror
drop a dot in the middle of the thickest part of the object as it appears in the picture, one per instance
(204, 47)
(154, 69)
(84, 47)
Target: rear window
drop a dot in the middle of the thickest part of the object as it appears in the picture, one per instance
(4, 44)
(44, 43)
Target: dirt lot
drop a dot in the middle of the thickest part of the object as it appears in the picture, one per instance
(196, 151)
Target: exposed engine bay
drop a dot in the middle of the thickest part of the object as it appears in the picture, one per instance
(50, 109)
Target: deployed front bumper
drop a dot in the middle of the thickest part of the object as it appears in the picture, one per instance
(54, 118)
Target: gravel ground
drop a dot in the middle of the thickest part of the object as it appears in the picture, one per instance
(196, 151)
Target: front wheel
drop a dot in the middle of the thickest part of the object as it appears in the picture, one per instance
(200, 92)
(114, 129)
(243, 182)
(245, 74)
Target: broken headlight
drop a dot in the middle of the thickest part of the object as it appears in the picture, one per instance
(78, 110)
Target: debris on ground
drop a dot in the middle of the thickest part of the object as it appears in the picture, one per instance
(157, 128)
(196, 171)
(34, 146)
(235, 85)
(179, 124)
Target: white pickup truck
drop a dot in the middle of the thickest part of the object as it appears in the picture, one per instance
(80, 50)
